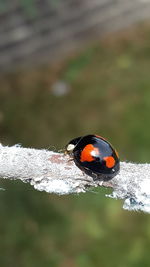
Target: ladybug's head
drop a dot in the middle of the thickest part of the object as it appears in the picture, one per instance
(69, 148)
(71, 145)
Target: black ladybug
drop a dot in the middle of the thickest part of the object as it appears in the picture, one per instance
(95, 156)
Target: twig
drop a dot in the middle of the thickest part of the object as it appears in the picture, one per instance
(54, 173)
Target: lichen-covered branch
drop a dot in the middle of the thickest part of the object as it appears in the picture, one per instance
(55, 173)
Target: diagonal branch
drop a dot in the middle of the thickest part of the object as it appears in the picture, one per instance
(54, 173)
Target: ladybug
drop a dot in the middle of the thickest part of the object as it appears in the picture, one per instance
(95, 156)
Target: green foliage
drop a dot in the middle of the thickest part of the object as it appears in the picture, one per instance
(77, 64)
(4, 4)
(29, 7)
(109, 95)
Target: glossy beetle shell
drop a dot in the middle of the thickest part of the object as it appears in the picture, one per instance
(95, 156)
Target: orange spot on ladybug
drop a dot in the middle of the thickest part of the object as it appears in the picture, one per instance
(110, 162)
(89, 153)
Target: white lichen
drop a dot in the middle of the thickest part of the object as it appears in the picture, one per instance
(55, 173)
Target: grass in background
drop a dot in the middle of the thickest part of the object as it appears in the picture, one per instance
(108, 94)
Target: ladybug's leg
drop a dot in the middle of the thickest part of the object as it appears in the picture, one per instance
(70, 159)
(84, 174)
(62, 151)
(70, 156)
(86, 179)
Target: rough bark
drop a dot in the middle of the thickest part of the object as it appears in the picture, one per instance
(55, 173)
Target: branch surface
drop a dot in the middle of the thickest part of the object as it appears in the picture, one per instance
(55, 173)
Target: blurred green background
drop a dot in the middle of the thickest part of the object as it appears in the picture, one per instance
(104, 89)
